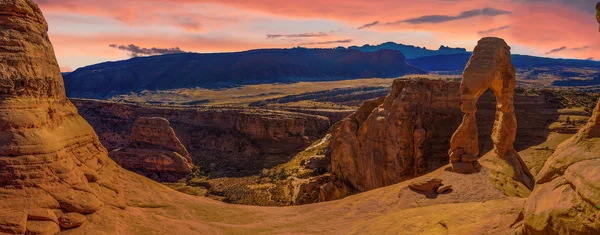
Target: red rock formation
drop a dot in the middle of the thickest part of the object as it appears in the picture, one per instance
(490, 67)
(317, 189)
(50, 158)
(385, 141)
(155, 151)
(228, 137)
(407, 133)
(566, 198)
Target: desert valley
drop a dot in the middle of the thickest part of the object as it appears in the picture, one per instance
(373, 139)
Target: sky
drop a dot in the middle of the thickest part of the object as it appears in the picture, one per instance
(86, 32)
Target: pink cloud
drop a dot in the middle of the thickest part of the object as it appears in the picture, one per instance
(537, 26)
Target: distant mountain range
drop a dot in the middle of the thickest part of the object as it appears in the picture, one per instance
(458, 62)
(222, 70)
(410, 51)
(388, 60)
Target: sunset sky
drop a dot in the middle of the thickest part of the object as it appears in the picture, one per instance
(86, 32)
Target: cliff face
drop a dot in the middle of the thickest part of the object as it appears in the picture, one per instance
(407, 133)
(155, 151)
(566, 198)
(216, 138)
(217, 70)
(52, 166)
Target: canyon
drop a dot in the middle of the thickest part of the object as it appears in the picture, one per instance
(58, 178)
(224, 141)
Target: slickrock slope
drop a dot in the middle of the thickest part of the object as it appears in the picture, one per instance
(407, 133)
(228, 137)
(51, 161)
(155, 151)
(566, 198)
(490, 67)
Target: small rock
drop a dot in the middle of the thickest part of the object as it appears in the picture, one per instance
(468, 157)
(443, 189)
(42, 227)
(71, 220)
(466, 167)
(427, 184)
(317, 162)
(41, 214)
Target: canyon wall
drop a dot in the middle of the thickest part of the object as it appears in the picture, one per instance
(226, 138)
(566, 198)
(407, 133)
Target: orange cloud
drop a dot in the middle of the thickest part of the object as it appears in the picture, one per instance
(534, 26)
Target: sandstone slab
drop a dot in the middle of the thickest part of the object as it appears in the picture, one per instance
(72, 220)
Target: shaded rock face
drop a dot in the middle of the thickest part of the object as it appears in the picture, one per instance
(216, 138)
(155, 151)
(490, 67)
(317, 189)
(392, 139)
(50, 157)
(407, 133)
(566, 198)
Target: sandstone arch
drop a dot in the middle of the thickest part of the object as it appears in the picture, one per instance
(490, 67)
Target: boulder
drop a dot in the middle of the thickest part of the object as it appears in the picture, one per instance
(41, 214)
(71, 220)
(317, 162)
(42, 228)
(155, 151)
(317, 189)
(426, 184)
(443, 189)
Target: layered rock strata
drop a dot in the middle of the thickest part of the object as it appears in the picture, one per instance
(219, 138)
(566, 198)
(50, 158)
(155, 151)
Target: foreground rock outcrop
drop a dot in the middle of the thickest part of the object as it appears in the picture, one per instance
(566, 198)
(50, 158)
(490, 67)
(155, 151)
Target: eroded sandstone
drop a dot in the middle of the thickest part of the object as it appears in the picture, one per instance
(155, 151)
(566, 198)
(407, 133)
(490, 67)
(47, 148)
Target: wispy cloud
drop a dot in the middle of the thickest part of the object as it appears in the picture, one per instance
(436, 19)
(556, 50)
(580, 48)
(136, 51)
(369, 25)
(301, 35)
(327, 42)
(483, 32)
(563, 48)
